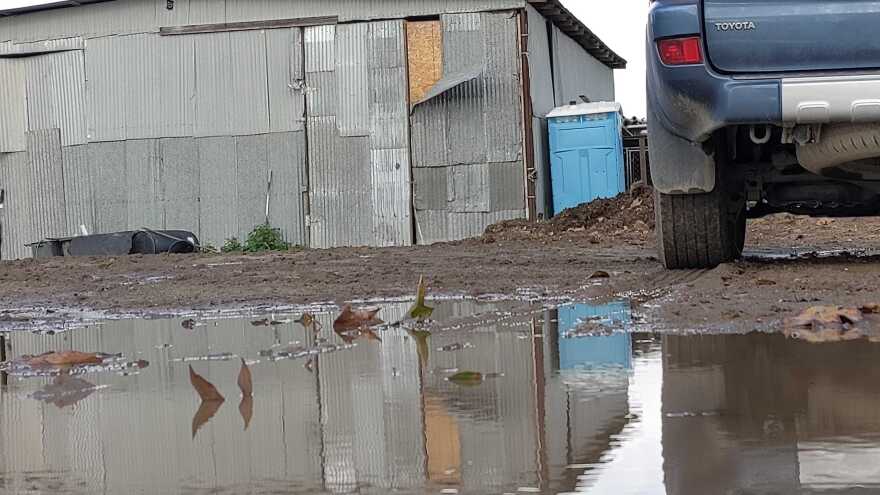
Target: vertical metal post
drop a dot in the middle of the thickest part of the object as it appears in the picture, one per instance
(643, 161)
(4, 378)
(531, 175)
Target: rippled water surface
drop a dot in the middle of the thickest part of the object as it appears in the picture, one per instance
(555, 401)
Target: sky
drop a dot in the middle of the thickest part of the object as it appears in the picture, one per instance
(620, 24)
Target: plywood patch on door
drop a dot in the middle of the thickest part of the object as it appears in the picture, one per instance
(424, 56)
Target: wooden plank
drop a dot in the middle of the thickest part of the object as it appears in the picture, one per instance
(247, 26)
(424, 53)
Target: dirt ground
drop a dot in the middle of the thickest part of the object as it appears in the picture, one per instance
(791, 263)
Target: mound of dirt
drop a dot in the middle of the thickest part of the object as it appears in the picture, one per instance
(627, 217)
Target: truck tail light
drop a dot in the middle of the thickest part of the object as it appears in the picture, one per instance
(680, 51)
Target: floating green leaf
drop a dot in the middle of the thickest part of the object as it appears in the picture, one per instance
(467, 378)
(420, 310)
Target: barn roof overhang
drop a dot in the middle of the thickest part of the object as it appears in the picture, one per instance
(577, 30)
(551, 9)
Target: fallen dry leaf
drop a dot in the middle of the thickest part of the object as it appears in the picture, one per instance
(827, 324)
(246, 409)
(371, 335)
(207, 392)
(356, 319)
(261, 323)
(65, 358)
(600, 274)
(245, 382)
(188, 324)
(65, 391)
(207, 409)
(309, 322)
(870, 309)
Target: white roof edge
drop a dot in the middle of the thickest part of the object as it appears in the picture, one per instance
(586, 109)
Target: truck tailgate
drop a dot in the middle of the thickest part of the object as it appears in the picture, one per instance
(754, 36)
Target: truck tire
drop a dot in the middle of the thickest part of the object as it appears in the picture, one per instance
(699, 230)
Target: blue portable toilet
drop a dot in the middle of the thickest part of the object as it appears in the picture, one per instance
(604, 350)
(586, 153)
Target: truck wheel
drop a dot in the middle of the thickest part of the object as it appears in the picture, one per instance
(700, 230)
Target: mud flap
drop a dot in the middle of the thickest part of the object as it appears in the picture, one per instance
(677, 166)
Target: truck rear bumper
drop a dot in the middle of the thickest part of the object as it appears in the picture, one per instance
(836, 99)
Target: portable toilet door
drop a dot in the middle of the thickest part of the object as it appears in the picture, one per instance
(586, 153)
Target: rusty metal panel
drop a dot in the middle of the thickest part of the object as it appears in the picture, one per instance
(15, 225)
(47, 205)
(79, 195)
(284, 52)
(13, 113)
(56, 90)
(231, 84)
(143, 173)
(180, 182)
(287, 161)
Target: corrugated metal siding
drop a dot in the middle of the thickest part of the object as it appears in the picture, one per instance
(287, 161)
(180, 183)
(48, 46)
(143, 174)
(359, 169)
(13, 113)
(140, 87)
(231, 71)
(473, 133)
(15, 230)
(87, 21)
(284, 52)
(56, 90)
(578, 73)
(78, 189)
(47, 205)
(353, 113)
(111, 198)
(217, 176)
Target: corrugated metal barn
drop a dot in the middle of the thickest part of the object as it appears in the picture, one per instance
(352, 122)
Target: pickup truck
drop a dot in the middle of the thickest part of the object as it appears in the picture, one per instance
(758, 107)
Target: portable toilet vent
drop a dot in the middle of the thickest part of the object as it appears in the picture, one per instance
(586, 153)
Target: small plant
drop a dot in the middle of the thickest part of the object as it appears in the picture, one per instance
(265, 238)
(232, 246)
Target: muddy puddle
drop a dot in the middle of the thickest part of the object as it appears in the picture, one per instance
(487, 398)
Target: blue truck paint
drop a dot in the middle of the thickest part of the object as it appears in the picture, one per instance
(586, 159)
(693, 101)
(761, 36)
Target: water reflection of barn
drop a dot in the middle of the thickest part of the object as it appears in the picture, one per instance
(368, 418)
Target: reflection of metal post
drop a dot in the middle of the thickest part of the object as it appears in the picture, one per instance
(551, 323)
(540, 402)
(4, 378)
